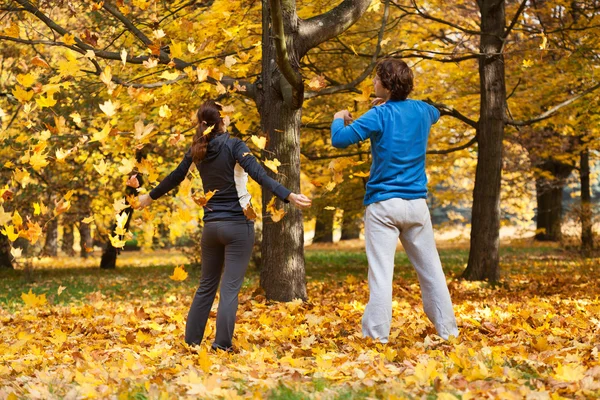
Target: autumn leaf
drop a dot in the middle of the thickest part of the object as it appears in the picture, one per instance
(133, 181)
(259, 142)
(101, 167)
(317, 83)
(276, 215)
(62, 206)
(26, 80)
(527, 63)
(12, 30)
(16, 252)
(179, 274)
(32, 300)
(109, 108)
(120, 204)
(38, 62)
(272, 164)
(249, 212)
(22, 95)
(202, 199)
(88, 220)
(116, 241)
(230, 61)
(60, 289)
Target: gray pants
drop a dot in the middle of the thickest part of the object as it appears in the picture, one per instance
(409, 220)
(226, 249)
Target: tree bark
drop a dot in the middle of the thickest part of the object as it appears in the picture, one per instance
(85, 240)
(68, 239)
(484, 260)
(324, 227)
(51, 242)
(5, 256)
(282, 273)
(350, 226)
(549, 194)
(587, 235)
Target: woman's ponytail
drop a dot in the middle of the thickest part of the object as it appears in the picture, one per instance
(209, 125)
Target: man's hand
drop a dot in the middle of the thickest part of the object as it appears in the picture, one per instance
(299, 200)
(144, 201)
(377, 101)
(345, 115)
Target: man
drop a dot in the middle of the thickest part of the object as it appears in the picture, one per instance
(396, 198)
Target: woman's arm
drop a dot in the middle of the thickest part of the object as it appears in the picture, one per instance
(167, 184)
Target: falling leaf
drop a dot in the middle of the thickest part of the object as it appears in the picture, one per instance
(330, 186)
(208, 130)
(109, 108)
(26, 80)
(150, 63)
(250, 213)
(169, 76)
(317, 83)
(202, 199)
(32, 300)
(38, 62)
(272, 164)
(276, 215)
(230, 61)
(179, 274)
(202, 74)
(120, 204)
(22, 95)
(329, 208)
(527, 63)
(88, 220)
(544, 42)
(124, 56)
(133, 181)
(16, 252)
(101, 167)
(60, 290)
(164, 111)
(158, 34)
(69, 39)
(116, 241)
(259, 142)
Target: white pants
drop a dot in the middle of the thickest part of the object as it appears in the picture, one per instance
(409, 220)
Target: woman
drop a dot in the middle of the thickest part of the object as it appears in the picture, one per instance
(228, 236)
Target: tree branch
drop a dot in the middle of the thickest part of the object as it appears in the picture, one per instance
(321, 28)
(283, 59)
(128, 24)
(453, 149)
(515, 19)
(367, 71)
(553, 110)
(422, 14)
(451, 111)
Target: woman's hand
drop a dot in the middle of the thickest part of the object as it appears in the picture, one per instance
(144, 201)
(345, 115)
(299, 200)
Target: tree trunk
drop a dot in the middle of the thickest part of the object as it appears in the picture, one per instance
(350, 226)
(51, 242)
(324, 227)
(85, 240)
(483, 261)
(549, 194)
(68, 239)
(587, 235)
(5, 256)
(282, 273)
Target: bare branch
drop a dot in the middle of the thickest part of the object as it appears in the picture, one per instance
(553, 110)
(515, 19)
(367, 71)
(423, 14)
(453, 149)
(451, 111)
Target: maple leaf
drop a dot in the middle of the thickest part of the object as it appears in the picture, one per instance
(272, 164)
(26, 80)
(69, 39)
(133, 181)
(101, 167)
(150, 63)
(62, 154)
(60, 289)
(123, 55)
(127, 165)
(202, 199)
(109, 108)
(250, 213)
(32, 300)
(202, 74)
(38, 160)
(169, 76)
(22, 95)
(117, 242)
(4, 216)
(276, 215)
(230, 61)
(16, 252)
(317, 83)
(179, 274)
(38, 62)
(62, 206)
(164, 111)
(88, 220)
(120, 204)
(13, 30)
(142, 132)
(10, 232)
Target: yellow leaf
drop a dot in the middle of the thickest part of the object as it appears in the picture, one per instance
(13, 30)
(76, 118)
(62, 154)
(100, 136)
(9, 231)
(317, 83)
(230, 61)
(120, 204)
(202, 74)
(4, 216)
(60, 290)
(353, 50)
(26, 80)
(169, 76)
(88, 220)
(48, 101)
(362, 174)
(176, 49)
(33, 300)
(109, 108)
(220, 88)
(37, 209)
(150, 63)
(259, 142)
(329, 208)
(17, 220)
(38, 161)
(204, 360)
(272, 164)
(124, 56)
(544, 42)
(127, 164)
(179, 274)
(116, 241)
(106, 75)
(276, 215)
(527, 63)
(16, 252)
(101, 167)
(164, 111)
(69, 39)
(62, 206)
(22, 95)
(330, 186)
(570, 372)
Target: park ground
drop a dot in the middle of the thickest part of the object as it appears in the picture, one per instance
(70, 330)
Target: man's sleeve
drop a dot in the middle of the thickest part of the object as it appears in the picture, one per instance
(174, 178)
(360, 130)
(244, 157)
(434, 113)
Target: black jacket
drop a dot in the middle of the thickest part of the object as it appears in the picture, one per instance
(218, 172)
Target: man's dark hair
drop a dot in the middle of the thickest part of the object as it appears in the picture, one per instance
(395, 76)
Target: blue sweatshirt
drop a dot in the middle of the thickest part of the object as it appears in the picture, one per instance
(398, 130)
(225, 168)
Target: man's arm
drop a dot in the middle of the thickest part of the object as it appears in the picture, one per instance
(360, 130)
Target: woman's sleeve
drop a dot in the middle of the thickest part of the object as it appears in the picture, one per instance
(174, 178)
(244, 157)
